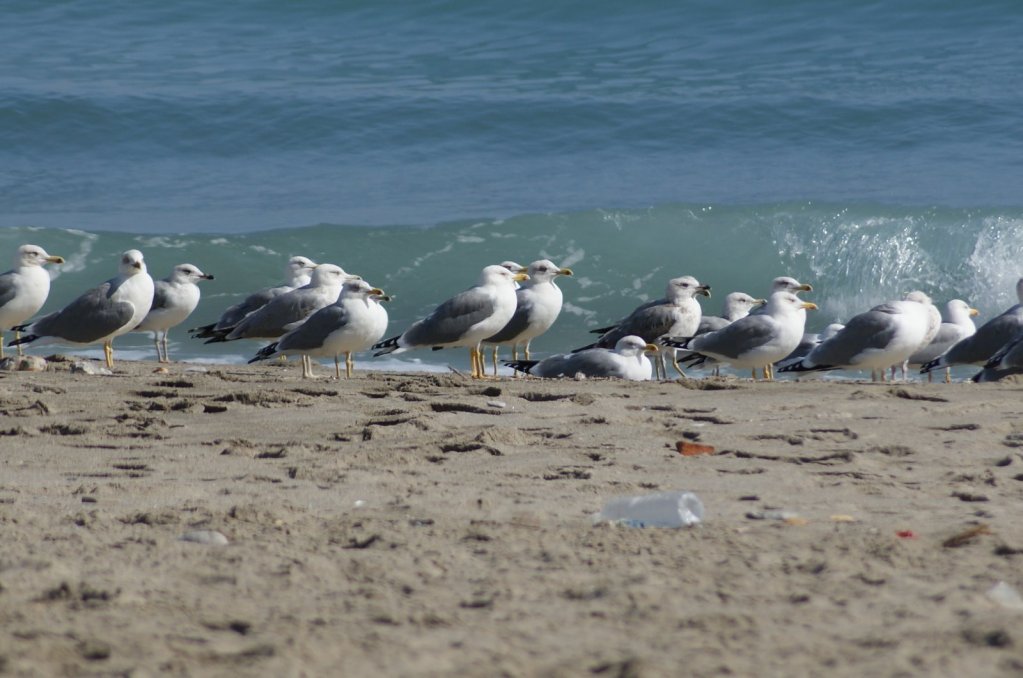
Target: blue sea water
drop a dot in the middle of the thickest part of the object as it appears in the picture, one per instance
(869, 147)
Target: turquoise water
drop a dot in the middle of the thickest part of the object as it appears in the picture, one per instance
(869, 148)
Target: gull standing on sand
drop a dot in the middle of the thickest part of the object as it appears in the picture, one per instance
(988, 339)
(538, 306)
(465, 319)
(626, 361)
(875, 340)
(958, 327)
(174, 299)
(24, 288)
(298, 273)
(101, 314)
(353, 323)
(677, 314)
(758, 340)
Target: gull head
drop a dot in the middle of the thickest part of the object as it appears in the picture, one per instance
(328, 275)
(362, 289)
(298, 270)
(959, 311)
(513, 267)
(497, 274)
(787, 284)
(685, 287)
(546, 270)
(919, 297)
(631, 345)
(189, 273)
(132, 263)
(34, 255)
(787, 302)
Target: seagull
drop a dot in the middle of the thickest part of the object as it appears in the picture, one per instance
(514, 268)
(1007, 361)
(297, 274)
(538, 306)
(24, 288)
(676, 314)
(352, 323)
(174, 299)
(101, 314)
(758, 339)
(287, 311)
(958, 327)
(736, 305)
(989, 338)
(626, 361)
(884, 336)
(465, 319)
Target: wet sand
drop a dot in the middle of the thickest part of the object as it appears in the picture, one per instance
(427, 525)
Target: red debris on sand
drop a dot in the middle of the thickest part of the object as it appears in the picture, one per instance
(906, 534)
(688, 449)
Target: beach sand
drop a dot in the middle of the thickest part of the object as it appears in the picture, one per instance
(409, 524)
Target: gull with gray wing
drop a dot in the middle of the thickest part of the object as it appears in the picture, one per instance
(100, 315)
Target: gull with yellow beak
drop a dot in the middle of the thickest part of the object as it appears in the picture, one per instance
(627, 360)
(353, 323)
(538, 306)
(100, 315)
(24, 288)
(959, 326)
(759, 339)
(465, 319)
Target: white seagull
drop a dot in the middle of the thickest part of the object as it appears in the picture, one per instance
(466, 319)
(959, 326)
(351, 324)
(759, 339)
(627, 360)
(538, 306)
(174, 299)
(874, 340)
(24, 288)
(677, 314)
(989, 338)
(101, 314)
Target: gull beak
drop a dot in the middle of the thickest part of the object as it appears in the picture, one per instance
(651, 348)
(352, 277)
(207, 276)
(974, 313)
(520, 277)
(809, 306)
(377, 292)
(54, 259)
(805, 287)
(704, 290)
(759, 302)
(137, 264)
(565, 271)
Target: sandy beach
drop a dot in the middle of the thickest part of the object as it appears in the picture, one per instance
(428, 525)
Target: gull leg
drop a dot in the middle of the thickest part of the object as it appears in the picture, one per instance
(472, 363)
(526, 349)
(2, 342)
(754, 374)
(349, 364)
(156, 343)
(21, 349)
(948, 375)
(166, 350)
(108, 353)
(337, 367)
(495, 359)
(307, 367)
(674, 363)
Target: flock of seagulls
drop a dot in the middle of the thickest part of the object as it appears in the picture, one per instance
(320, 311)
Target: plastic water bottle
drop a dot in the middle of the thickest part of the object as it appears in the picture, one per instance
(663, 509)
